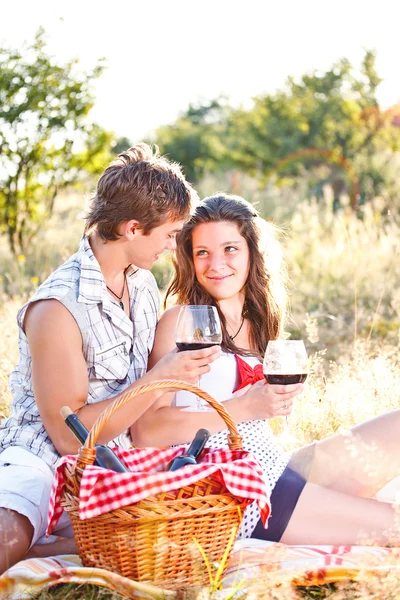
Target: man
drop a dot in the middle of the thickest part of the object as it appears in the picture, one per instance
(85, 337)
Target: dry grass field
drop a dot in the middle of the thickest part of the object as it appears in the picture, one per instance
(345, 304)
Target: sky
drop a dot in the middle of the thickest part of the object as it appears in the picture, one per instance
(162, 55)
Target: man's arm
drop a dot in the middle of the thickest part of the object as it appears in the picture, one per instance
(59, 375)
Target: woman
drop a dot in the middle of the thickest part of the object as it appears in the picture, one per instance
(323, 493)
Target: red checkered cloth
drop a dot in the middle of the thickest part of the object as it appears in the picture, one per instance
(102, 490)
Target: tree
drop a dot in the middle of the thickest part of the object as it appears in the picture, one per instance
(331, 119)
(325, 128)
(196, 139)
(46, 136)
(121, 144)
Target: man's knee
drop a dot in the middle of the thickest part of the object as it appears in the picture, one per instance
(16, 532)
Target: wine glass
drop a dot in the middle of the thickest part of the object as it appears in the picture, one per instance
(198, 326)
(285, 363)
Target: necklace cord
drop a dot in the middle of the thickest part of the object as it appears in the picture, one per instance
(123, 289)
(238, 331)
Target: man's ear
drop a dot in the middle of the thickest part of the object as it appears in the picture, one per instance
(129, 229)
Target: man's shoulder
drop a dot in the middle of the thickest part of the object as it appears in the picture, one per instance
(60, 284)
(61, 281)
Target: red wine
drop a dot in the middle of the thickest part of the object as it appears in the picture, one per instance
(194, 345)
(105, 457)
(285, 379)
(193, 452)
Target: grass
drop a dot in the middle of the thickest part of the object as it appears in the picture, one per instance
(344, 274)
(375, 588)
(74, 591)
(345, 305)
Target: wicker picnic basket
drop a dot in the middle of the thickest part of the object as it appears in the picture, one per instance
(152, 541)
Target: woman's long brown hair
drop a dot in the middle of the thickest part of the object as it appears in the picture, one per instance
(264, 290)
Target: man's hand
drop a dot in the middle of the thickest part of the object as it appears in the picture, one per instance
(187, 366)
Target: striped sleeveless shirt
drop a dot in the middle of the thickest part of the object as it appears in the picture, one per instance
(115, 348)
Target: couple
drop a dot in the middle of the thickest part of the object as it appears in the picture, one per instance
(89, 333)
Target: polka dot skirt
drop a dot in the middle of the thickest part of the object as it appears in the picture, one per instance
(258, 439)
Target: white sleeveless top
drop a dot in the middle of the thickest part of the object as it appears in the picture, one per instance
(257, 434)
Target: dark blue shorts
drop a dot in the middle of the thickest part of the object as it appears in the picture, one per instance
(284, 498)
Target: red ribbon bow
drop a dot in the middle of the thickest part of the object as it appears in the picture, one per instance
(246, 373)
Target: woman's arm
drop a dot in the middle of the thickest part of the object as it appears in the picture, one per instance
(164, 425)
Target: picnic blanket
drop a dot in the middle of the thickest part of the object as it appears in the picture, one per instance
(251, 560)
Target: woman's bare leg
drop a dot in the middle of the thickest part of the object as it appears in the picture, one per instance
(361, 460)
(326, 516)
(16, 534)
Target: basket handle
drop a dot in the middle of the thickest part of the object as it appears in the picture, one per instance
(87, 453)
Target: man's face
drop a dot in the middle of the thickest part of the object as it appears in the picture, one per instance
(147, 248)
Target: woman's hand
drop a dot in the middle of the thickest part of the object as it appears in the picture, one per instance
(187, 366)
(264, 401)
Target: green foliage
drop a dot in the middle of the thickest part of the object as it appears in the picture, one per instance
(196, 140)
(121, 144)
(326, 128)
(46, 136)
(330, 118)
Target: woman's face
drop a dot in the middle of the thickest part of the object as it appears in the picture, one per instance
(221, 259)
